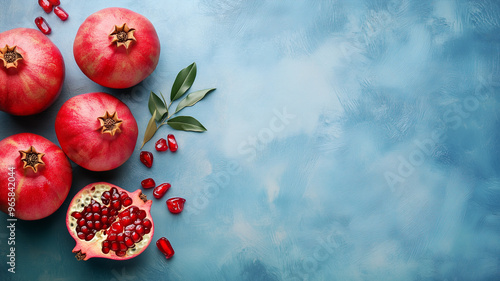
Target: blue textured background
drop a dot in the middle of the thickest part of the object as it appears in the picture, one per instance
(347, 140)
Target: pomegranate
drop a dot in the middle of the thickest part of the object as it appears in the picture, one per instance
(109, 222)
(176, 204)
(116, 48)
(165, 247)
(146, 158)
(31, 71)
(97, 131)
(35, 176)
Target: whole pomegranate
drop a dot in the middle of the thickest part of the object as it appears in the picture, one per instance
(116, 48)
(109, 222)
(31, 71)
(97, 131)
(35, 176)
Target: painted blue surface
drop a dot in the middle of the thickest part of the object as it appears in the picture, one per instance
(347, 140)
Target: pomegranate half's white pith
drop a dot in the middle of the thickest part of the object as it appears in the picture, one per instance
(109, 222)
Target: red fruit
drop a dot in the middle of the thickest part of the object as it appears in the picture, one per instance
(165, 248)
(176, 204)
(97, 131)
(42, 24)
(32, 71)
(46, 5)
(61, 13)
(148, 183)
(146, 158)
(114, 240)
(55, 2)
(122, 58)
(160, 190)
(36, 173)
(172, 143)
(161, 145)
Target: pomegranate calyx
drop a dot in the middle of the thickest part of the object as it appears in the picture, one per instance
(80, 256)
(31, 158)
(110, 123)
(143, 197)
(122, 35)
(10, 56)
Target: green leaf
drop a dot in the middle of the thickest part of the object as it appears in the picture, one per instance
(150, 129)
(183, 82)
(192, 99)
(186, 123)
(156, 104)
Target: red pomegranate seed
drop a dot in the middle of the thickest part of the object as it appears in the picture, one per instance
(129, 242)
(120, 253)
(140, 230)
(176, 204)
(126, 220)
(55, 2)
(161, 145)
(81, 222)
(165, 248)
(120, 237)
(135, 237)
(97, 225)
(114, 246)
(148, 183)
(123, 196)
(97, 217)
(112, 236)
(89, 237)
(125, 213)
(46, 5)
(172, 143)
(130, 227)
(147, 223)
(81, 235)
(43, 25)
(76, 215)
(160, 190)
(61, 13)
(127, 202)
(146, 158)
(141, 214)
(123, 247)
(116, 227)
(105, 250)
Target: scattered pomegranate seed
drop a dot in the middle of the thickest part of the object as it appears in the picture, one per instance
(172, 143)
(43, 25)
(176, 204)
(61, 13)
(165, 248)
(160, 190)
(46, 5)
(146, 158)
(55, 2)
(161, 145)
(148, 183)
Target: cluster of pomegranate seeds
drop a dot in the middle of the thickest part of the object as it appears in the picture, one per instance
(148, 183)
(164, 246)
(95, 216)
(160, 190)
(43, 25)
(146, 158)
(161, 145)
(176, 204)
(131, 226)
(172, 143)
(47, 6)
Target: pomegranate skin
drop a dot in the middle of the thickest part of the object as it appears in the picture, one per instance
(37, 80)
(77, 129)
(37, 195)
(115, 66)
(85, 250)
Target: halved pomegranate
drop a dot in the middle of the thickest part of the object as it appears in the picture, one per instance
(109, 222)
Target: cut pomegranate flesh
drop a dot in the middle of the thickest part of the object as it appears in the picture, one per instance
(161, 145)
(148, 183)
(61, 13)
(43, 25)
(110, 222)
(172, 143)
(46, 5)
(146, 158)
(176, 204)
(160, 190)
(165, 247)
